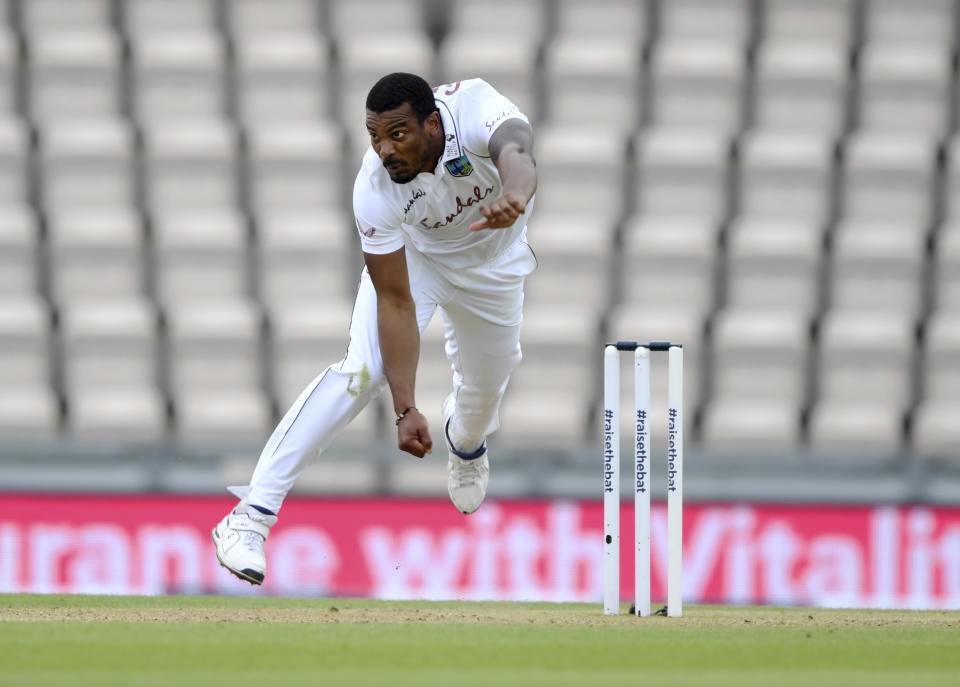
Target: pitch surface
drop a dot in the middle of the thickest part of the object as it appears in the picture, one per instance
(210, 641)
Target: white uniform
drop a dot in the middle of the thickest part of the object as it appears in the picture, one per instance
(475, 278)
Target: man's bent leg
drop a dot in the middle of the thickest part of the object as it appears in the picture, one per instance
(484, 345)
(324, 408)
(485, 316)
(315, 419)
(485, 356)
(311, 424)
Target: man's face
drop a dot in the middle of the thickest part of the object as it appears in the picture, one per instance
(401, 141)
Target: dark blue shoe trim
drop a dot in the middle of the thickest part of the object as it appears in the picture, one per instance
(251, 576)
(460, 454)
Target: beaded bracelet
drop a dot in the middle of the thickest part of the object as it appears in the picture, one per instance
(403, 414)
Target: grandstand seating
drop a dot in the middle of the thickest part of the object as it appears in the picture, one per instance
(775, 183)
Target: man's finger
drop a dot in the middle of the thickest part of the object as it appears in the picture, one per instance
(482, 223)
(413, 447)
(500, 213)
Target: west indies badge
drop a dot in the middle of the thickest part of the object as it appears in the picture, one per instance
(460, 166)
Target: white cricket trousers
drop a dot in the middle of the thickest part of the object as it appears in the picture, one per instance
(482, 310)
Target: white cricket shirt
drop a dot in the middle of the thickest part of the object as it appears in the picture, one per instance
(432, 214)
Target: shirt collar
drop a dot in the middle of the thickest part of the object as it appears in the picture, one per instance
(451, 144)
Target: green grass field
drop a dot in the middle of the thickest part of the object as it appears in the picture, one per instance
(133, 641)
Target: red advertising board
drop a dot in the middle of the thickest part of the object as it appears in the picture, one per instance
(851, 556)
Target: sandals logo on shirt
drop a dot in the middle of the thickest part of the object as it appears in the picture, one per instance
(462, 204)
(366, 231)
(459, 166)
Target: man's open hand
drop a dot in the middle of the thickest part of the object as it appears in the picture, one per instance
(500, 213)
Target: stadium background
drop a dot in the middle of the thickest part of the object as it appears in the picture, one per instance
(771, 182)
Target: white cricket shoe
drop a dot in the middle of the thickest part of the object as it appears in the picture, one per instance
(239, 539)
(468, 475)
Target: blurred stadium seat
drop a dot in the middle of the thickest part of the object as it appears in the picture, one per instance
(673, 263)
(294, 167)
(305, 258)
(801, 85)
(878, 266)
(74, 73)
(946, 268)
(582, 172)
(14, 162)
(190, 164)
(558, 365)
(282, 77)
(724, 20)
(774, 262)
(251, 19)
(571, 251)
(786, 176)
(216, 380)
(19, 251)
(57, 15)
(95, 253)
(909, 21)
(759, 385)
(87, 164)
(27, 399)
(698, 83)
(590, 77)
(905, 87)
(111, 371)
(809, 21)
(889, 175)
(935, 431)
(10, 70)
(683, 172)
(864, 382)
(169, 16)
(200, 255)
(178, 75)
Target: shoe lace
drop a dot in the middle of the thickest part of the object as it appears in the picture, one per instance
(253, 540)
(467, 472)
(250, 539)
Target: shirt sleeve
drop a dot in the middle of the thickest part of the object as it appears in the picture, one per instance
(379, 228)
(483, 109)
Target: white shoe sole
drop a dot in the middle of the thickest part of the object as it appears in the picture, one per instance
(463, 510)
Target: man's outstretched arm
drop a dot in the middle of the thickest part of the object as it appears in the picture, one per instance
(511, 148)
(399, 345)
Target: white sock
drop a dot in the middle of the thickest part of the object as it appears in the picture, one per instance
(460, 440)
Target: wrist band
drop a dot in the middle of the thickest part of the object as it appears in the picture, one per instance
(403, 413)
